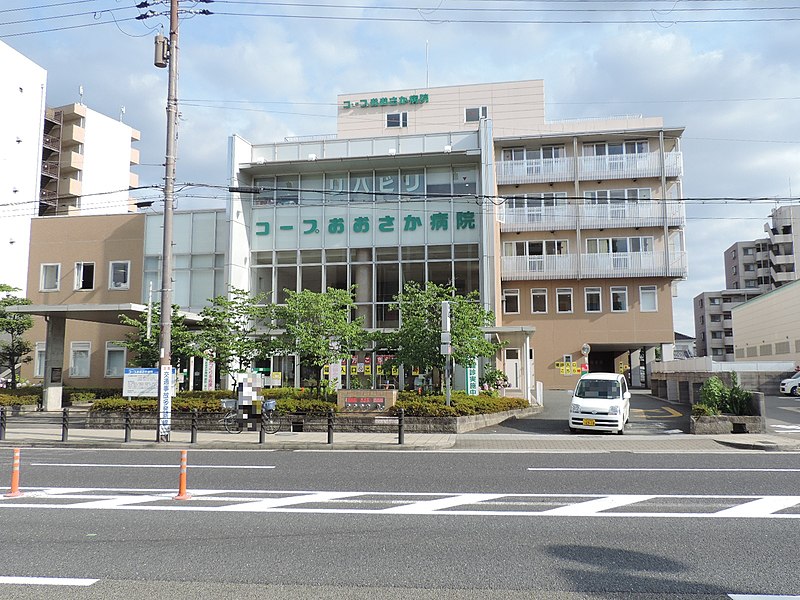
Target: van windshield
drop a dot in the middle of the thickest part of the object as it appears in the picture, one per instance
(597, 388)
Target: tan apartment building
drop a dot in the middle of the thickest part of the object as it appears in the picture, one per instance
(83, 272)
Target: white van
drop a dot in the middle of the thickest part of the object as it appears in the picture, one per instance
(791, 385)
(601, 401)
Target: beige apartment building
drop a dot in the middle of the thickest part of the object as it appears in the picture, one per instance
(84, 272)
(768, 327)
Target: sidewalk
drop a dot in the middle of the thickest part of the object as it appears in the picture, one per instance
(32, 436)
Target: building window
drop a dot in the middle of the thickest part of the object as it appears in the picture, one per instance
(115, 359)
(511, 302)
(397, 119)
(38, 363)
(748, 251)
(50, 277)
(716, 335)
(648, 298)
(715, 318)
(564, 300)
(750, 283)
(473, 115)
(592, 297)
(619, 299)
(714, 301)
(718, 352)
(79, 355)
(119, 275)
(84, 276)
(539, 300)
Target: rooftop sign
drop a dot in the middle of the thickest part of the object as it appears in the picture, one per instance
(386, 101)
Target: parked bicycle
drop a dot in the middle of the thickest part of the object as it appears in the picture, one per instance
(271, 420)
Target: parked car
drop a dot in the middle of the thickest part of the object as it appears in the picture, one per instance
(602, 402)
(791, 385)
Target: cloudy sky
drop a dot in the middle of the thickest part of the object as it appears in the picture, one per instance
(727, 70)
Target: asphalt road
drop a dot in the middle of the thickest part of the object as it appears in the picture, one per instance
(398, 525)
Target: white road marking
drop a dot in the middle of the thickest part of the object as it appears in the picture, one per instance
(48, 581)
(429, 506)
(761, 507)
(409, 503)
(592, 507)
(760, 597)
(172, 466)
(656, 470)
(261, 505)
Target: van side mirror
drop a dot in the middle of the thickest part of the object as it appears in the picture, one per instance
(626, 395)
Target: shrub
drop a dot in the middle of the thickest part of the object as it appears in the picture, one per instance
(24, 391)
(305, 406)
(713, 394)
(281, 393)
(206, 394)
(703, 410)
(738, 401)
(151, 404)
(14, 400)
(75, 397)
(461, 404)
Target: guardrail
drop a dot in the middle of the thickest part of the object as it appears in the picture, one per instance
(193, 421)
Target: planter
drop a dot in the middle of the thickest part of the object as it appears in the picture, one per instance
(722, 424)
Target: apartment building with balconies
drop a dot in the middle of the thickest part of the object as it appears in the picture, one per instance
(713, 322)
(87, 160)
(752, 267)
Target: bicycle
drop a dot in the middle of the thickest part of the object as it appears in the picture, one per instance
(271, 420)
(232, 422)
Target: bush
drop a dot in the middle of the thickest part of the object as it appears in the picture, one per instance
(461, 404)
(280, 393)
(24, 391)
(716, 398)
(738, 400)
(206, 394)
(713, 394)
(703, 410)
(76, 397)
(305, 406)
(18, 400)
(151, 404)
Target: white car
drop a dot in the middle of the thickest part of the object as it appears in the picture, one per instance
(602, 402)
(791, 385)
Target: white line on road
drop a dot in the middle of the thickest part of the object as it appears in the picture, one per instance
(760, 597)
(429, 506)
(173, 466)
(269, 503)
(48, 581)
(592, 507)
(761, 507)
(661, 470)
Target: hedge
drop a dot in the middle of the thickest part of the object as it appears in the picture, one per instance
(14, 400)
(461, 404)
(151, 404)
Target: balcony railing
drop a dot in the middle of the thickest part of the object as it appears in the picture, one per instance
(647, 213)
(618, 264)
(618, 166)
(52, 142)
(50, 168)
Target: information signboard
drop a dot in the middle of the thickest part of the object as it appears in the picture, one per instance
(140, 383)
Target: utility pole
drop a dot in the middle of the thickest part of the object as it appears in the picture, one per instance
(166, 55)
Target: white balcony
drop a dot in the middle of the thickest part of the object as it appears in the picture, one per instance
(542, 170)
(540, 219)
(564, 266)
(619, 264)
(620, 166)
(629, 166)
(646, 213)
(781, 259)
(783, 276)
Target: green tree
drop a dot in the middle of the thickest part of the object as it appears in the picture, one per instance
(318, 328)
(417, 343)
(14, 349)
(236, 328)
(147, 350)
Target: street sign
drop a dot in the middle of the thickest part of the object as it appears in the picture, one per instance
(165, 401)
(140, 383)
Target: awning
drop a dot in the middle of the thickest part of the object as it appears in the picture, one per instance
(93, 313)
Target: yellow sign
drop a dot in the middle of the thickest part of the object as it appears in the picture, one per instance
(326, 370)
(379, 369)
(353, 369)
(367, 369)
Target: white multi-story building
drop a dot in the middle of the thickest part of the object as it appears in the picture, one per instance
(22, 96)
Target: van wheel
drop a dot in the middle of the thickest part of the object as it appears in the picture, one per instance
(573, 429)
(621, 431)
(796, 391)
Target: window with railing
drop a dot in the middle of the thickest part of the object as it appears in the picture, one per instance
(536, 251)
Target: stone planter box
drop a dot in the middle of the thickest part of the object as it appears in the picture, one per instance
(722, 424)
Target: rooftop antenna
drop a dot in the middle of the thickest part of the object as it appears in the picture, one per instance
(427, 80)
(80, 93)
(121, 112)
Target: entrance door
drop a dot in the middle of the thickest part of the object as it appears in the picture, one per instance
(512, 367)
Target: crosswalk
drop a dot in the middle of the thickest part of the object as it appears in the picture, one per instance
(411, 503)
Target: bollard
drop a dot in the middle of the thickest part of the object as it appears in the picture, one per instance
(193, 439)
(261, 432)
(127, 424)
(330, 427)
(14, 477)
(400, 427)
(65, 425)
(182, 495)
(2, 423)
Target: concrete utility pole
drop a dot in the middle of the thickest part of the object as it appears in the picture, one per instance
(165, 383)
